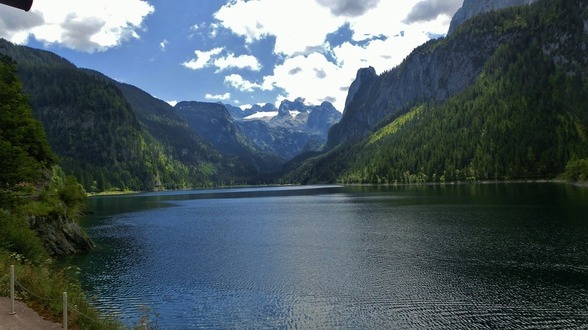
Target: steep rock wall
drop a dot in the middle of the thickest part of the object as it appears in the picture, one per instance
(61, 235)
(471, 8)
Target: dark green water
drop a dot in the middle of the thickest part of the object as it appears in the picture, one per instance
(484, 256)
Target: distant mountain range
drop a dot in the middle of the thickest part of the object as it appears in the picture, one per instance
(267, 135)
(113, 135)
(503, 96)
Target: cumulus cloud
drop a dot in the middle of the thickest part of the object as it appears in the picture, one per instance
(237, 81)
(214, 58)
(320, 54)
(203, 59)
(305, 80)
(239, 62)
(349, 8)
(219, 97)
(428, 10)
(81, 25)
(295, 71)
(297, 25)
(320, 73)
(15, 24)
(78, 32)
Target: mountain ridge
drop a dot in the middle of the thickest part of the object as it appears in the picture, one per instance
(472, 8)
(390, 130)
(113, 135)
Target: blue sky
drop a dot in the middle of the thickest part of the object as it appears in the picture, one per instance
(239, 52)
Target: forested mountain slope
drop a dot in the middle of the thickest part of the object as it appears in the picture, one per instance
(215, 124)
(111, 135)
(39, 209)
(264, 143)
(472, 8)
(435, 71)
(38, 203)
(524, 115)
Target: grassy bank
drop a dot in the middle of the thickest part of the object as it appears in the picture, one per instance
(41, 287)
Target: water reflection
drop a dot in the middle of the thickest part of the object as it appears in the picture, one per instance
(452, 256)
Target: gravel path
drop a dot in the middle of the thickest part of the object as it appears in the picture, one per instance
(25, 318)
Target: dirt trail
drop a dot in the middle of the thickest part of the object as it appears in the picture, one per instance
(25, 318)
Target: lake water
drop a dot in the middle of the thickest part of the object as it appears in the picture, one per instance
(471, 256)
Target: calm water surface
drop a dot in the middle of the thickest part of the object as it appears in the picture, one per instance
(499, 256)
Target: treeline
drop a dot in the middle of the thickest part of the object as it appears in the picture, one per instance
(34, 194)
(526, 116)
(115, 140)
(31, 183)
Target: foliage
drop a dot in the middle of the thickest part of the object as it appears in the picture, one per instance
(19, 238)
(525, 117)
(114, 136)
(576, 170)
(24, 151)
(41, 286)
(31, 185)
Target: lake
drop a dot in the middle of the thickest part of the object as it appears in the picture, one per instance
(458, 256)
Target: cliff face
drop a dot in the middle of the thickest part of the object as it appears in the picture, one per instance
(435, 71)
(61, 235)
(471, 8)
(504, 97)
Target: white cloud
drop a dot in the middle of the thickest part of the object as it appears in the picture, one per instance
(214, 58)
(428, 10)
(350, 8)
(203, 59)
(297, 25)
(382, 37)
(238, 82)
(163, 44)
(220, 97)
(81, 25)
(239, 62)
(312, 77)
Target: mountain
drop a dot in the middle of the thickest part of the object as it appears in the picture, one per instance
(112, 135)
(435, 71)
(471, 8)
(214, 123)
(296, 128)
(322, 117)
(239, 113)
(39, 205)
(286, 131)
(501, 98)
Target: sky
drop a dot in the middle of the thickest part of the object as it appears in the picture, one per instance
(239, 52)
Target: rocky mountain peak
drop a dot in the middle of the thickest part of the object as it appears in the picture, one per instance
(363, 76)
(286, 106)
(471, 8)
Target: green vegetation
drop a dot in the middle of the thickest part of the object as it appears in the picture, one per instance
(112, 136)
(45, 283)
(576, 170)
(525, 117)
(33, 187)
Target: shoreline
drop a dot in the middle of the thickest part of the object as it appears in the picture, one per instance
(581, 184)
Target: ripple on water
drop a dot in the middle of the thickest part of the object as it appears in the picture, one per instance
(342, 261)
